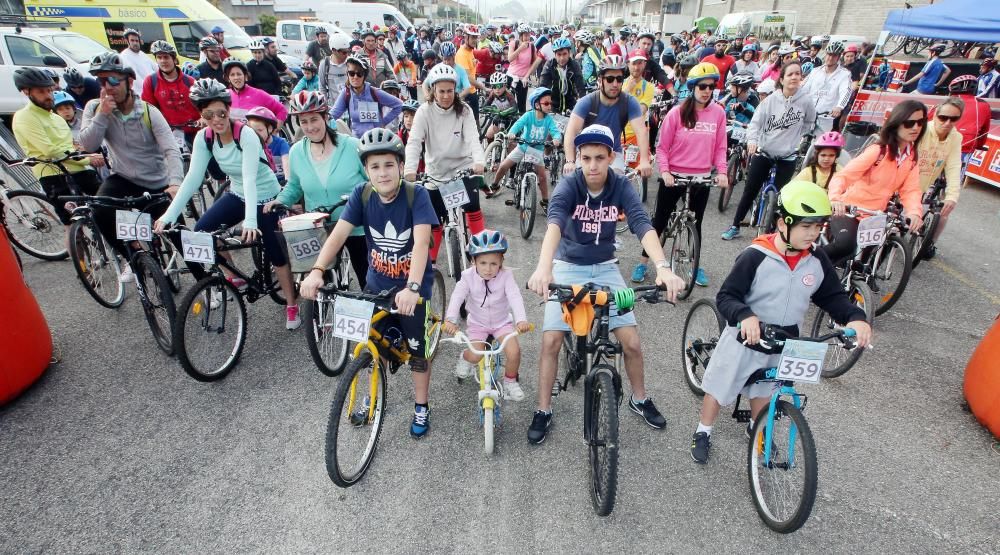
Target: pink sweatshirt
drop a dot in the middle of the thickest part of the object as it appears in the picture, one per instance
(695, 151)
(489, 303)
(251, 97)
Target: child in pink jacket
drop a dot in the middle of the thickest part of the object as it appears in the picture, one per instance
(490, 294)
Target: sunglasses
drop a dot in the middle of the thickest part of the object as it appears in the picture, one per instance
(113, 81)
(549, 103)
(210, 115)
(705, 86)
(910, 123)
(498, 87)
(614, 78)
(952, 119)
(356, 73)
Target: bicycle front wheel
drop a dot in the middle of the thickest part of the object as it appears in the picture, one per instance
(454, 255)
(685, 252)
(702, 329)
(766, 223)
(156, 298)
(328, 351)
(33, 225)
(838, 359)
(922, 241)
(529, 203)
(732, 173)
(494, 155)
(263, 264)
(784, 486)
(435, 314)
(355, 423)
(892, 267)
(96, 264)
(603, 442)
(210, 331)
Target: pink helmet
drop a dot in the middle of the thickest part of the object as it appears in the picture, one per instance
(263, 113)
(830, 139)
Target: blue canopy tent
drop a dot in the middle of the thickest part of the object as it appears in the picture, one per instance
(958, 20)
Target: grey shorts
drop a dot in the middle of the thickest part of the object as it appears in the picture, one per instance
(730, 367)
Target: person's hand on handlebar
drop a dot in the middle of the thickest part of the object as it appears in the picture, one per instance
(406, 302)
(916, 222)
(665, 278)
(522, 327)
(539, 282)
(411, 177)
(268, 207)
(750, 330)
(159, 226)
(449, 327)
(668, 179)
(864, 333)
(310, 286)
(172, 190)
(722, 180)
(751, 149)
(97, 160)
(250, 234)
(839, 208)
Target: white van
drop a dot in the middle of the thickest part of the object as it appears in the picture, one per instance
(768, 26)
(369, 14)
(294, 35)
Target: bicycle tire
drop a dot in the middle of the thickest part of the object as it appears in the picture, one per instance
(886, 299)
(572, 361)
(697, 333)
(156, 299)
(172, 264)
(644, 188)
(328, 352)
(489, 431)
(347, 386)
(767, 217)
(529, 203)
(493, 156)
(33, 226)
(807, 457)
(90, 254)
(732, 174)
(912, 45)
(454, 255)
(839, 360)
(603, 443)
(921, 242)
(893, 44)
(685, 252)
(196, 306)
(435, 318)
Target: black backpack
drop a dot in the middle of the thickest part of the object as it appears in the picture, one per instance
(595, 106)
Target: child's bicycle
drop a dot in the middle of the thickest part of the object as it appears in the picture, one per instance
(523, 181)
(490, 376)
(737, 161)
(590, 353)
(764, 206)
(359, 404)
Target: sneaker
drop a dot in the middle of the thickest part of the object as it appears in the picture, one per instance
(512, 391)
(292, 320)
(731, 233)
(539, 428)
(360, 414)
(421, 422)
(930, 252)
(544, 204)
(126, 276)
(701, 279)
(216, 301)
(639, 273)
(700, 444)
(647, 410)
(464, 369)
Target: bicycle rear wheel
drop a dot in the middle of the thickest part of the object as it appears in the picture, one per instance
(766, 223)
(355, 423)
(328, 351)
(838, 359)
(435, 313)
(33, 225)
(783, 488)
(172, 263)
(732, 173)
(685, 252)
(494, 155)
(892, 267)
(156, 298)
(96, 264)
(702, 329)
(922, 241)
(603, 441)
(529, 203)
(210, 331)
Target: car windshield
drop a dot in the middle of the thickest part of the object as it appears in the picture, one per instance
(78, 47)
(235, 37)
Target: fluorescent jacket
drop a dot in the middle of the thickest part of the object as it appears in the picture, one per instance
(44, 134)
(489, 303)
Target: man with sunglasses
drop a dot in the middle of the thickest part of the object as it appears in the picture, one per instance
(211, 68)
(332, 69)
(133, 57)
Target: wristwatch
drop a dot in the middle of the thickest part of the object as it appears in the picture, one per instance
(413, 286)
(663, 264)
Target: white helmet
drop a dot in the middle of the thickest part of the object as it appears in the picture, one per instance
(766, 86)
(523, 28)
(441, 72)
(256, 45)
(340, 41)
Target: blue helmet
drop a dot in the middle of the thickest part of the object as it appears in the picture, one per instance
(561, 43)
(62, 97)
(191, 70)
(487, 241)
(448, 49)
(537, 95)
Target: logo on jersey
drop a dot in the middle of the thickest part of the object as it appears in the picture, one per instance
(385, 258)
(809, 280)
(787, 120)
(390, 240)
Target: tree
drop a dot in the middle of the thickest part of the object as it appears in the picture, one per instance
(268, 24)
(619, 22)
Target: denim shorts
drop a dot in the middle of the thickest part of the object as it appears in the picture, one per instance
(564, 273)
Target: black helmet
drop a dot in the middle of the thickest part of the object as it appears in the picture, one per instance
(73, 77)
(389, 85)
(689, 61)
(32, 77)
(380, 141)
(430, 54)
(207, 89)
(208, 42)
(109, 61)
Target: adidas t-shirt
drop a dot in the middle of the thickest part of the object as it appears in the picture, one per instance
(389, 234)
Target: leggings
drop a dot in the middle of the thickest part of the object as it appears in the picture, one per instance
(357, 247)
(666, 202)
(521, 94)
(119, 187)
(760, 168)
(843, 239)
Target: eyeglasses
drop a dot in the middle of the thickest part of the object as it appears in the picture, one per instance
(210, 115)
(910, 123)
(705, 86)
(356, 73)
(614, 78)
(549, 103)
(944, 119)
(110, 80)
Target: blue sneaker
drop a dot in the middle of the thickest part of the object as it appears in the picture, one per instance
(639, 273)
(731, 233)
(421, 422)
(701, 279)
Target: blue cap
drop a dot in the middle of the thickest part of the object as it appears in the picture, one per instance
(218, 29)
(595, 135)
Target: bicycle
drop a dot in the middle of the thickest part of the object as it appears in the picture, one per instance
(682, 232)
(490, 376)
(523, 180)
(922, 241)
(491, 115)
(592, 355)
(737, 161)
(887, 263)
(763, 209)
(456, 231)
(359, 404)
(32, 224)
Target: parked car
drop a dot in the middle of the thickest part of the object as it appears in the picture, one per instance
(294, 35)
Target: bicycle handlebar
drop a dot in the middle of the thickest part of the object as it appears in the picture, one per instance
(123, 202)
(772, 335)
(383, 300)
(461, 174)
(460, 338)
(564, 293)
(685, 180)
(32, 161)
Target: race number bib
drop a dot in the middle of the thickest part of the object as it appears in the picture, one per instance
(305, 248)
(454, 194)
(351, 318)
(135, 226)
(533, 156)
(738, 133)
(368, 112)
(802, 361)
(197, 247)
(561, 122)
(871, 231)
(631, 154)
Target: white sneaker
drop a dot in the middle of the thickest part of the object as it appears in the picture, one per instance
(512, 391)
(216, 300)
(127, 276)
(464, 369)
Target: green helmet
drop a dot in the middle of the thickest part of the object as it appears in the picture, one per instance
(804, 201)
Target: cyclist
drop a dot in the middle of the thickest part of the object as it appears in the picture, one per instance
(773, 281)
(746, 63)
(679, 89)
(591, 53)
(621, 46)
(219, 35)
(643, 90)
(773, 138)
(500, 98)
(740, 103)
(523, 58)
(379, 66)
(989, 79)
(721, 60)
(933, 74)
(318, 48)
(211, 68)
(822, 162)
(563, 76)
(764, 90)
(323, 168)
(445, 136)
(167, 89)
(271, 55)
(83, 89)
(430, 59)
(406, 73)
(397, 236)
(975, 122)
(940, 151)
(309, 80)
(490, 59)
(695, 128)
(536, 127)
(276, 148)
(244, 97)
(653, 72)
(829, 86)
(263, 74)
(771, 68)
(240, 153)
(579, 246)
(488, 280)
(410, 108)
(466, 87)
(883, 169)
(364, 102)
(332, 70)
(134, 58)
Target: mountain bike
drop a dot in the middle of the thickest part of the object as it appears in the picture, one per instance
(763, 209)
(490, 376)
(637, 181)
(591, 354)
(456, 231)
(32, 223)
(523, 181)
(682, 233)
(738, 160)
(702, 328)
(922, 241)
(883, 260)
(491, 115)
(359, 404)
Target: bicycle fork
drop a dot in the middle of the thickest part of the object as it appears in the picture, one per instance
(769, 430)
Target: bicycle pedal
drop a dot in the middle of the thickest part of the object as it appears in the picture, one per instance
(557, 387)
(741, 415)
(509, 202)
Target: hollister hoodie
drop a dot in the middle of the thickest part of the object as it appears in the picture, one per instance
(779, 123)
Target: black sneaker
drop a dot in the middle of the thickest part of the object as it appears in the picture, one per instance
(700, 444)
(647, 410)
(930, 252)
(539, 428)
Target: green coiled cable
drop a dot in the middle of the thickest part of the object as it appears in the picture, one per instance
(625, 299)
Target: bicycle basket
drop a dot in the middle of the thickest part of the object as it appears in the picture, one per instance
(304, 237)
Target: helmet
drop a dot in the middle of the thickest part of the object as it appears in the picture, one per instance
(389, 85)
(766, 87)
(230, 62)
(608, 29)
(584, 36)
(701, 72)
(256, 45)
(429, 54)
(308, 65)
(561, 44)
(625, 31)
(304, 102)
(380, 141)
(804, 201)
(438, 30)
(411, 106)
(741, 79)
(441, 72)
(496, 48)
(218, 29)
(748, 48)
(266, 41)
(487, 241)
(379, 34)
(491, 27)
(73, 77)
(807, 68)
(830, 139)
(109, 61)
(403, 54)
(816, 43)
(963, 84)
(207, 89)
(448, 49)
(360, 61)
(131, 31)
(611, 62)
(989, 64)
(208, 42)
(939, 48)
(162, 47)
(537, 95)
(523, 28)
(499, 78)
(320, 29)
(340, 41)
(62, 97)
(191, 70)
(676, 38)
(852, 48)
(263, 113)
(471, 29)
(689, 61)
(835, 47)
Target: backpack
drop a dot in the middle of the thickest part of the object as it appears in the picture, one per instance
(595, 106)
(408, 188)
(185, 78)
(347, 97)
(237, 129)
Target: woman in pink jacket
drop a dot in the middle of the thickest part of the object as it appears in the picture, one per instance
(490, 294)
(246, 97)
(692, 142)
(883, 169)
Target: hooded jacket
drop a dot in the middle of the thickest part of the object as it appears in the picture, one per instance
(566, 92)
(489, 302)
(779, 123)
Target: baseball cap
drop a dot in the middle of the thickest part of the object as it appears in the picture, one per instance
(595, 135)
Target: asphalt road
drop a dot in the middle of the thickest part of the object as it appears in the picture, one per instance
(116, 449)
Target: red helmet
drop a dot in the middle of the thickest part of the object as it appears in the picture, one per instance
(963, 84)
(852, 48)
(830, 139)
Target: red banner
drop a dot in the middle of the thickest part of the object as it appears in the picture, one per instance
(985, 163)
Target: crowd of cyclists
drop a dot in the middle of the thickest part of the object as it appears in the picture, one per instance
(377, 111)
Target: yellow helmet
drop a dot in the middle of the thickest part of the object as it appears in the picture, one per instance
(700, 72)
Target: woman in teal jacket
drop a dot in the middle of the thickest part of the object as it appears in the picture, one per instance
(324, 167)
